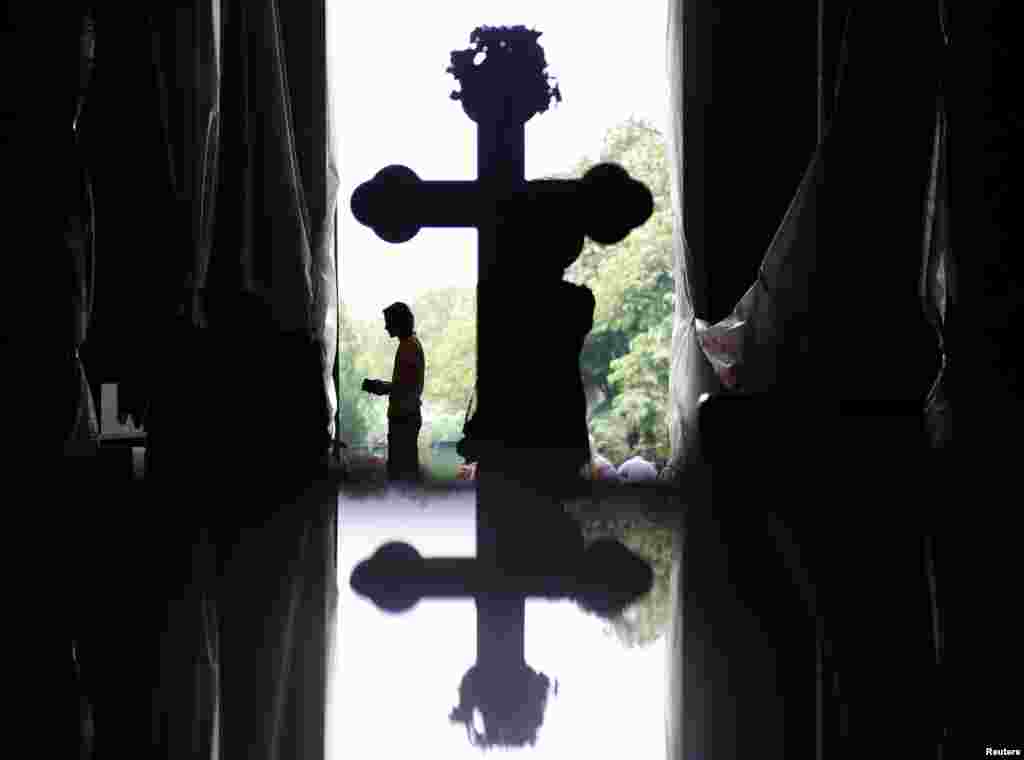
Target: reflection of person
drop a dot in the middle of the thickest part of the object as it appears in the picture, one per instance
(404, 391)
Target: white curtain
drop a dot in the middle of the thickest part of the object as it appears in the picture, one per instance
(326, 257)
(691, 374)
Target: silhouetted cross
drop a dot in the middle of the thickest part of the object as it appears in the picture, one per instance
(605, 578)
(500, 94)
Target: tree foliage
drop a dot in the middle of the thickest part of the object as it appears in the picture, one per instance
(446, 325)
(628, 352)
(358, 416)
(646, 620)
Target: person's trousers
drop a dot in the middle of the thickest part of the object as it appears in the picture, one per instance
(403, 450)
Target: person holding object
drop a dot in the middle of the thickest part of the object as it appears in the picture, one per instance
(405, 418)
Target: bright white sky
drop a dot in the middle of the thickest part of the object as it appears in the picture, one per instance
(391, 106)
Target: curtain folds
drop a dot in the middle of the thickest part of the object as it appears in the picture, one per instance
(938, 280)
(216, 287)
(843, 305)
(691, 375)
(262, 241)
(326, 295)
(747, 349)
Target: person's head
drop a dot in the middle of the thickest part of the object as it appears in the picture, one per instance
(398, 320)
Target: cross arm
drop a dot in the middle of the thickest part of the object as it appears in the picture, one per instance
(396, 204)
(606, 578)
(605, 204)
(396, 577)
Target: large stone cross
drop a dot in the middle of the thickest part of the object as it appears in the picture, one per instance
(500, 94)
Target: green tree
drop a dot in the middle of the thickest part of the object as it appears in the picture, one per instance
(627, 353)
(646, 620)
(446, 325)
(358, 417)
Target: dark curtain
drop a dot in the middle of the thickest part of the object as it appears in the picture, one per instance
(841, 327)
(46, 295)
(250, 353)
(985, 367)
(214, 304)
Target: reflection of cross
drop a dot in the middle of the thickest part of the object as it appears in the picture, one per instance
(605, 578)
(501, 685)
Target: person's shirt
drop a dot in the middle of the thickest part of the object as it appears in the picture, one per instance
(407, 378)
(637, 469)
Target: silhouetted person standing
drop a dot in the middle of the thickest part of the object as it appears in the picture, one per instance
(405, 416)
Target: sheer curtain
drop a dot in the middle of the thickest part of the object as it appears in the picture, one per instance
(691, 374)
